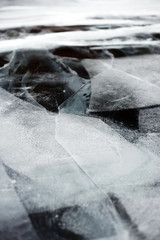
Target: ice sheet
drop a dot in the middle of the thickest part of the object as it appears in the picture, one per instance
(45, 176)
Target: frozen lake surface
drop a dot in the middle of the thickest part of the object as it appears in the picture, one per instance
(80, 120)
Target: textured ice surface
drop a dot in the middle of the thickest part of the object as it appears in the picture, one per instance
(43, 172)
(116, 90)
(146, 67)
(142, 205)
(149, 120)
(150, 140)
(130, 173)
(103, 154)
(69, 177)
(95, 66)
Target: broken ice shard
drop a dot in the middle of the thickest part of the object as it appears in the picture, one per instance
(114, 90)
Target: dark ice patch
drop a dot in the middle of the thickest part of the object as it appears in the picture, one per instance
(123, 51)
(124, 118)
(51, 94)
(4, 58)
(48, 90)
(77, 66)
(50, 226)
(3, 61)
(80, 52)
(38, 76)
(126, 218)
(13, 33)
(35, 61)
